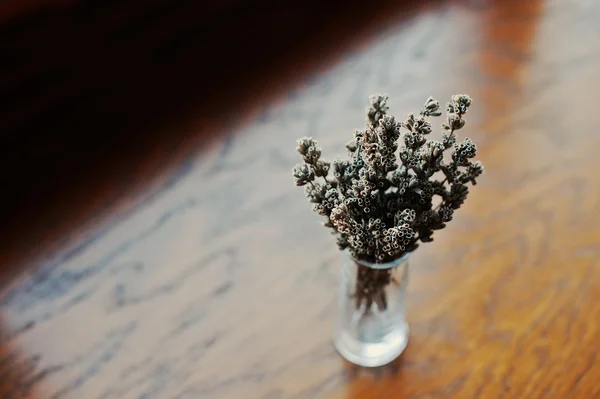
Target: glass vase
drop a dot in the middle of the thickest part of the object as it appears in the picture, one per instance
(372, 329)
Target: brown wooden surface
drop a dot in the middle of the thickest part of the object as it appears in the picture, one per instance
(214, 280)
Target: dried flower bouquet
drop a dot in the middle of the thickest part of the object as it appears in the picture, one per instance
(394, 190)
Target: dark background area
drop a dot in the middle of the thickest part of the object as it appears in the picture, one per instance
(100, 99)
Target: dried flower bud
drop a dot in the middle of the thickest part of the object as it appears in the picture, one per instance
(407, 216)
(475, 169)
(458, 194)
(304, 144)
(454, 122)
(312, 154)
(377, 108)
(369, 136)
(320, 209)
(340, 217)
(462, 102)
(410, 121)
(422, 126)
(307, 147)
(303, 174)
(448, 140)
(315, 192)
(342, 171)
(445, 213)
(414, 140)
(321, 168)
(432, 107)
(432, 151)
(463, 151)
(390, 129)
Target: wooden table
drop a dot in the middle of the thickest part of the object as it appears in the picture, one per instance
(216, 280)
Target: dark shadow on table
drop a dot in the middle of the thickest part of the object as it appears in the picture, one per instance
(105, 101)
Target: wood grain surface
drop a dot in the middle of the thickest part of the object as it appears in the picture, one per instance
(213, 279)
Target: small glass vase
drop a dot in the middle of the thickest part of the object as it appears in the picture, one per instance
(372, 329)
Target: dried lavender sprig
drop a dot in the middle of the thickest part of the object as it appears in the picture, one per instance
(379, 203)
(388, 173)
